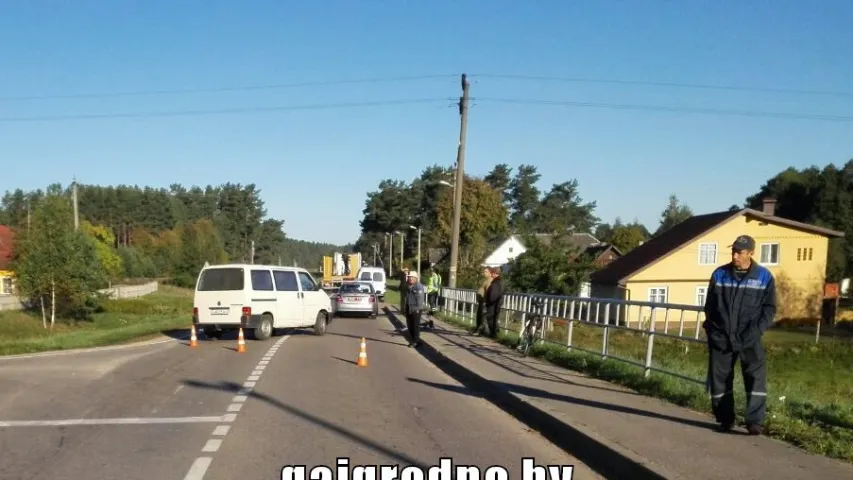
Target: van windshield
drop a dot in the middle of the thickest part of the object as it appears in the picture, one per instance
(221, 280)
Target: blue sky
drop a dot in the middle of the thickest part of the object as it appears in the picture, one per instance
(315, 166)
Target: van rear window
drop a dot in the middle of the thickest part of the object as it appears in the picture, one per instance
(221, 280)
(378, 277)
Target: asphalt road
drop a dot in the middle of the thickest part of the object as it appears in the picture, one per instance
(167, 411)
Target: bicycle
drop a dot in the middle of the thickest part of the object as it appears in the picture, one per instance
(532, 326)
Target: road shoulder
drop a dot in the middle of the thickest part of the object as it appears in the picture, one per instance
(614, 430)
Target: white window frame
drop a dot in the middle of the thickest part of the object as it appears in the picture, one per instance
(703, 292)
(769, 247)
(716, 253)
(665, 291)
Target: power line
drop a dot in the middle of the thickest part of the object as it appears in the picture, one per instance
(225, 111)
(662, 108)
(665, 84)
(222, 89)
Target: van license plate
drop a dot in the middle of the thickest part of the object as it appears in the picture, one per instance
(219, 311)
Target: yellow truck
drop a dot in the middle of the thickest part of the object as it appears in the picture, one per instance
(340, 267)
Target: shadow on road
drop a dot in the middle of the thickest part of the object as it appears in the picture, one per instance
(538, 393)
(232, 387)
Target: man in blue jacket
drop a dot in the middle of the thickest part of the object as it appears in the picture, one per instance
(740, 306)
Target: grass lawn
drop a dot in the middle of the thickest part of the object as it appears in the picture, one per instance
(122, 321)
(810, 401)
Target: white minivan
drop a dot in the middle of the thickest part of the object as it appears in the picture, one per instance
(260, 298)
(376, 276)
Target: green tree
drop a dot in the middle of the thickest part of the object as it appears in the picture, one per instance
(104, 240)
(524, 198)
(673, 214)
(500, 178)
(555, 268)
(562, 209)
(57, 267)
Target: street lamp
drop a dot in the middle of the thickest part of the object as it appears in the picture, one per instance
(402, 249)
(390, 237)
(419, 247)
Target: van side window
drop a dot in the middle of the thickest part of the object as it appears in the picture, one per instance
(285, 281)
(308, 284)
(262, 280)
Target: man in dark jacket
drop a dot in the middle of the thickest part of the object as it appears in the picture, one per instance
(494, 302)
(415, 305)
(740, 306)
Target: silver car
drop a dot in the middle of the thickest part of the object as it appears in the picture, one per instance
(356, 297)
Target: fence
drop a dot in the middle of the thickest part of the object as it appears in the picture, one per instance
(12, 302)
(645, 320)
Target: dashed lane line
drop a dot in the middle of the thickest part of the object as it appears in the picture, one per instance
(199, 467)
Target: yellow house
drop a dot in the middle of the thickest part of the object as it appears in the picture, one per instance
(676, 266)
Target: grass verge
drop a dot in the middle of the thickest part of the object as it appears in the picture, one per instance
(122, 321)
(811, 386)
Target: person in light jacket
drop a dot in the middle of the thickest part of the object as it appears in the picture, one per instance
(415, 305)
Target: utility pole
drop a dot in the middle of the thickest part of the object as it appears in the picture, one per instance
(29, 215)
(402, 237)
(391, 255)
(460, 176)
(76, 209)
(252, 254)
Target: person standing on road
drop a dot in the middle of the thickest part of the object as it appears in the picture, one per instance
(494, 301)
(740, 306)
(404, 288)
(415, 303)
(481, 301)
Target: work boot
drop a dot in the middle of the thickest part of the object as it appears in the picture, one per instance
(754, 429)
(726, 427)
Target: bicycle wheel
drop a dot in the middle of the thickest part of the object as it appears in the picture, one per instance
(531, 334)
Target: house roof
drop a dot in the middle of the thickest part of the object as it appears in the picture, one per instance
(599, 249)
(685, 232)
(7, 240)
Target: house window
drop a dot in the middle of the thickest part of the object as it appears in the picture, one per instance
(657, 295)
(6, 287)
(700, 295)
(510, 249)
(707, 254)
(799, 254)
(770, 253)
(810, 253)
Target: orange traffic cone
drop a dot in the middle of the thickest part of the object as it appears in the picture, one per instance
(193, 338)
(241, 342)
(362, 355)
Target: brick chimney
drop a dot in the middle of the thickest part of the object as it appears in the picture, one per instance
(769, 206)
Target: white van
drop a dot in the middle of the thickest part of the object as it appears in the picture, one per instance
(260, 298)
(376, 276)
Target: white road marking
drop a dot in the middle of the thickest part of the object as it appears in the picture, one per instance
(201, 464)
(198, 468)
(110, 421)
(212, 445)
(177, 389)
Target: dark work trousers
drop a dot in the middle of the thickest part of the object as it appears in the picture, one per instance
(413, 323)
(481, 316)
(492, 321)
(721, 374)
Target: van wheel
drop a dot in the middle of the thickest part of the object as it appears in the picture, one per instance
(264, 329)
(320, 324)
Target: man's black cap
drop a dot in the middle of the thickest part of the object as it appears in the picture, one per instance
(743, 242)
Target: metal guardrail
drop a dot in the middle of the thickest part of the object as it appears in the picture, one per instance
(646, 319)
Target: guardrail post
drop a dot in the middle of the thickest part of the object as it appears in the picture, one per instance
(650, 344)
(605, 335)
